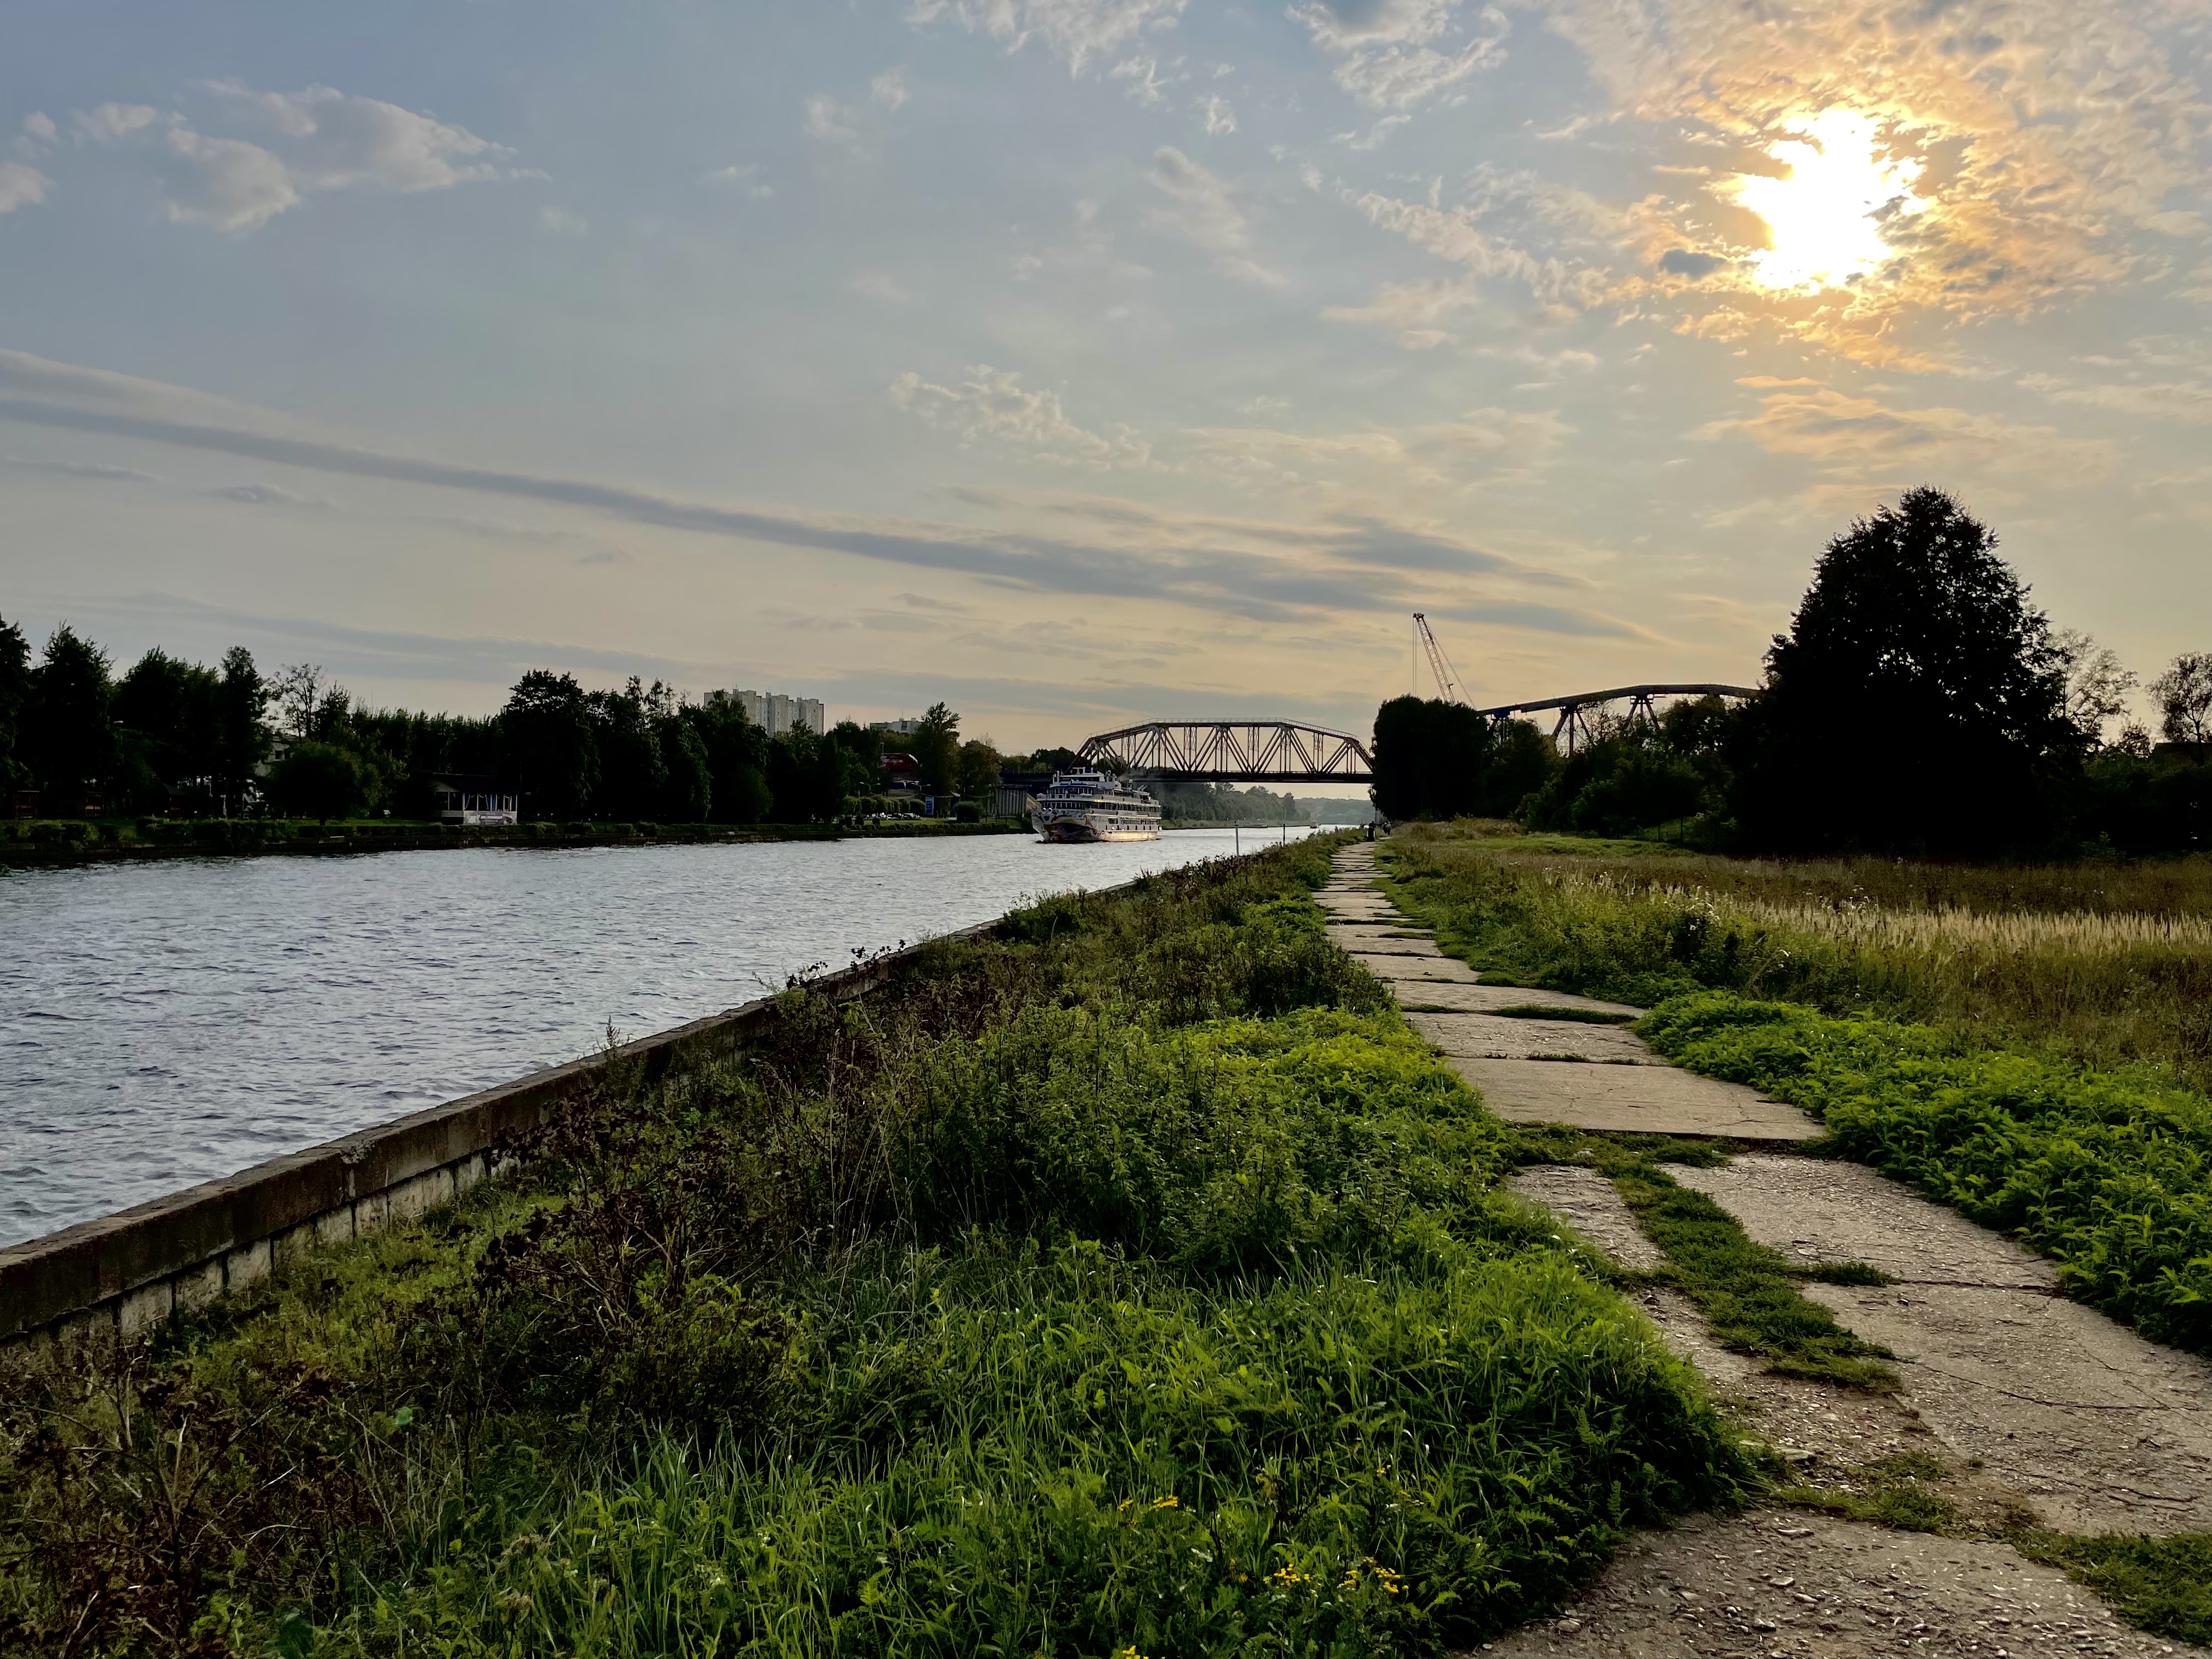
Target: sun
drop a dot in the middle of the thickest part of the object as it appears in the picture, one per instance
(1825, 220)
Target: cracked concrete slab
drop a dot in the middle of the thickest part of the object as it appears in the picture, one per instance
(1443, 970)
(1815, 1210)
(1630, 1099)
(1378, 942)
(1486, 998)
(1592, 1206)
(1779, 1582)
(1491, 1036)
(2095, 1427)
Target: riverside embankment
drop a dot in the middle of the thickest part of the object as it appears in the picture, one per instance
(46, 842)
(169, 1023)
(1127, 1279)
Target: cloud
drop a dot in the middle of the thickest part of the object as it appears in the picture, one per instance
(991, 402)
(890, 88)
(1870, 446)
(331, 140)
(2051, 138)
(1480, 446)
(269, 495)
(38, 127)
(826, 120)
(1561, 285)
(1683, 262)
(1220, 119)
(1205, 212)
(1373, 136)
(110, 124)
(22, 186)
(314, 139)
(742, 176)
(1260, 572)
(2189, 402)
(1073, 31)
(563, 222)
(84, 470)
(225, 182)
(877, 286)
(1398, 53)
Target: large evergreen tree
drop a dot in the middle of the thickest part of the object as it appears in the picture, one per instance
(72, 742)
(14, 697)
(240, 739)
(1918, 704)
(551, 744)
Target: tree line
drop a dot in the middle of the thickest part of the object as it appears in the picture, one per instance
(1920, 704)
(169, 736)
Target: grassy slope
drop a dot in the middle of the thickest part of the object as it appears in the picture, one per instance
(1133, 1282)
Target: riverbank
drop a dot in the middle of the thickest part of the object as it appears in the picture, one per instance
(1128, 1280)
(77, 841)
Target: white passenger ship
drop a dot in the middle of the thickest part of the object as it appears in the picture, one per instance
(1087, 805)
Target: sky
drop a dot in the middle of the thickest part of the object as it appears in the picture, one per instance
(1079, 363)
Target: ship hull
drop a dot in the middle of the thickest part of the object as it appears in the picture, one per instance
(1074, 832)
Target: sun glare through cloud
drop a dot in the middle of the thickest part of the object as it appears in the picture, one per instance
(1828, 215)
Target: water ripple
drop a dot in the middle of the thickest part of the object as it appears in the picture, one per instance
(194, 1016)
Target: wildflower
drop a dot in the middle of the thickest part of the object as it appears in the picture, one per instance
(1170, 1502)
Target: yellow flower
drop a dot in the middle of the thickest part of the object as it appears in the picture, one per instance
(1170, 1502)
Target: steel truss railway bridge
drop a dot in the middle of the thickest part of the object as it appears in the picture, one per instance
(1291, 751)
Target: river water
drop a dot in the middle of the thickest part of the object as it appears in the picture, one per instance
(165, 1023)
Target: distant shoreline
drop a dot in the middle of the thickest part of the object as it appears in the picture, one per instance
(48, 844)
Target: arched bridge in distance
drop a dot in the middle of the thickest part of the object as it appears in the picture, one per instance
(1291, 751)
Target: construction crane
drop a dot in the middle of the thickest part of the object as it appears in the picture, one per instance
(1447, 681)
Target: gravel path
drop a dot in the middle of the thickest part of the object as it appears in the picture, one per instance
(2019, 1407)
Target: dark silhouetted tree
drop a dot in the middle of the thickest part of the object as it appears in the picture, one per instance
(937, 746)
(2184, 697)
(687, 787)
(72, 744)
(241, 738)
(631, 771)
(15, 700)
(1442, 760)
(551, 744)
(1916, 704)
(736, 751)
(316, 781)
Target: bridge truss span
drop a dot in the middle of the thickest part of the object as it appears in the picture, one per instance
(1575, 709)
(1232, 752)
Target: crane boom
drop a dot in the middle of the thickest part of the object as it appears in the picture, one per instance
(1447, 681)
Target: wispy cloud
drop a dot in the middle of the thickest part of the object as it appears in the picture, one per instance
(1205, 212)
(1275, 573)
(1076, 32)
(318, 139)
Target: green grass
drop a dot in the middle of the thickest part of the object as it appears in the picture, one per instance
(1747, 1292)
(2111, 1175)
(1133, 1279)
(1546, 1011)
(1898, 1491)
(2163, 1585)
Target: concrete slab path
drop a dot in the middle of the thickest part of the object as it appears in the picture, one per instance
(2037, 1409)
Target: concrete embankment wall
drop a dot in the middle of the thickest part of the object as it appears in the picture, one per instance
(133, 1269)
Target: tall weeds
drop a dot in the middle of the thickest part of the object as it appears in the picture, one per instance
(2101, 964)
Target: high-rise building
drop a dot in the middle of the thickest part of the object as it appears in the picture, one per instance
(901, 728)
(778, 713)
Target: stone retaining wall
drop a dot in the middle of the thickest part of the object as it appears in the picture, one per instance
(133, 1269)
